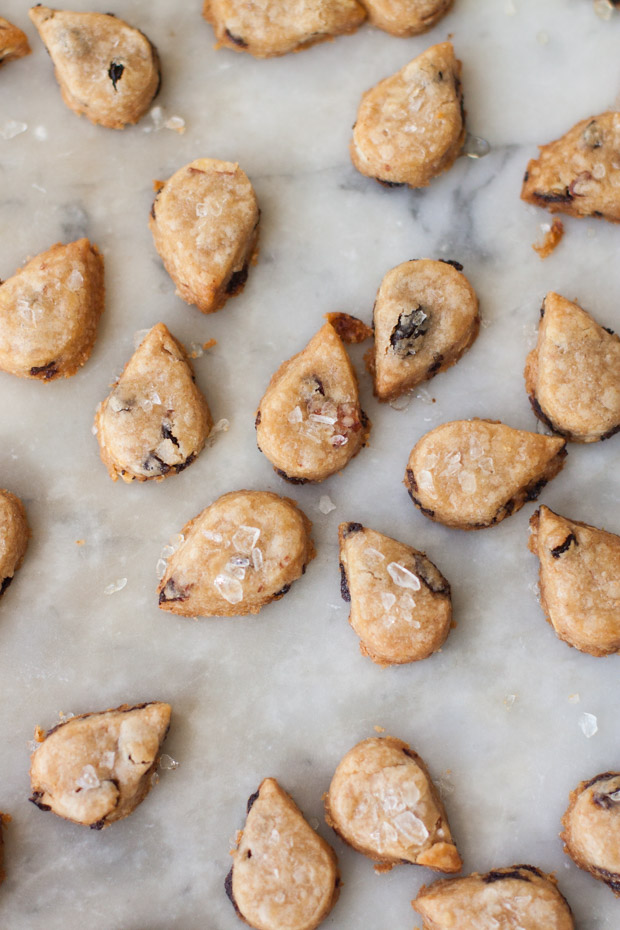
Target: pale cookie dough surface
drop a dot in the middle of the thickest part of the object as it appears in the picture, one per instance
(49, 311)
(96, 768)
(14, 535)
(242, 552)
(471, 474)
(204, 221)
(579, 581)
(572, 377)
(382, 802)
(425, 317)
(410, 127)
(592, 828)
(284, 875)
(13, 42)
(406, 17)
(400, 602)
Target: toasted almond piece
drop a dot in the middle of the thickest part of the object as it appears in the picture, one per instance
(406, 17)
(592, 828)
(13, 42)
(14, 536)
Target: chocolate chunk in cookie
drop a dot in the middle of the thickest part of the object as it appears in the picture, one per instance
(592, 828)
(13, 42)
(14, 535)
(406, 17)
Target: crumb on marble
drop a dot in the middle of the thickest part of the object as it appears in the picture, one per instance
(378, 729)
(209, 344)
(80, 542)
(553, 237)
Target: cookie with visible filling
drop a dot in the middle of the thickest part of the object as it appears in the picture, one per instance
(579, 581)
(411, 126)
(471, 474)
(95, 769)
(406, 17)
(204, 221)
(592, 828)
(13, 42)
(383, 803)
(14, 536)
(401, 607)
(284, 875)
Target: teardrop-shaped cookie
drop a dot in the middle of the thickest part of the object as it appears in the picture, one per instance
(204, 221)
(579, 174)
(579, 581)
(107, 70)
(309, 423)
(411, 126)
(406, 17)
(49, 311)
(572, 377)
(592, 828)
(239, 554)
(96, 768)
(13, 42)
(425, 318)
(14, 535)
(382, 802)
(471, 474)
(400, 602)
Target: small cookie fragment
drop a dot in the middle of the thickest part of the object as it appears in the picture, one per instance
(591, 824)
(552, 238)
(284, 876)
(579, 581)
(406, 17)
(242, 552)
(410, 127)
(107, 70)
(96, 768)
(400, 602)
(204, 221)
(382, 802)
(49, 311)
(13, 42)
(471, 474)
(351, 329)
(520, 897)
(425, 319)
(14, 536)
(572, 377)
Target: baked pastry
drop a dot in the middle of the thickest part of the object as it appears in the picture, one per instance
(592, 828)
(107, 70)
(309, 423)
(572, 377)
(406, 17)
(425, 318)
(410, 127)
(275, 27)
(382, 802)
(520, 897)
(579, 581)
(579, 174)
(13, 42)
(2, 822)
(400, 602)
(284, 876)
(242, 552)
(49, 311)
(204, 221)
(14, 535)
(471, 474)
(96, 768)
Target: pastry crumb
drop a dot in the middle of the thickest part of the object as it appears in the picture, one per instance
(551, 240)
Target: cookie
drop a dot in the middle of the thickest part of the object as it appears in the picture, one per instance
(592, 828)
(13, 42)
(309, 423)
(49, 311)
(107, 70)
(2, 822)
(579, 174)
(284, 876)
(517, 898)
(204, 221)
(275, 27)
(406, 17)
(96, 768)
(579, 581)
(242, 552)
(410, 127)
(425, 318)
(572, 377)
(471, 474)
(14, 535)
(382, 802)
(400, 602)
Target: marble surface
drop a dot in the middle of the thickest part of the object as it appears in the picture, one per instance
(496, 714)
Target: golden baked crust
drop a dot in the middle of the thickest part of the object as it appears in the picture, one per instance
(592, 828)
(14, 536)
(406, 17)
(13, 42)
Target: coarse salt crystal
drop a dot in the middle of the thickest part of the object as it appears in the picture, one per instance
(373, 555)
(424, 397)
(338, 440)
(426, 480)
(88, 778)
(115, 586)
(402, 577)
(387, 833)
(588, 725)
(168, 763)
(402, 402)
(245, 538)
(229, 588)
(475, 146)
(212, 537)
(75, 280)
(326, 504)
(295, 416)
(468, 482)
(236, 567)
(12, 128)
(221, 426)
(160, 568)
(319, 418)
(257, 559)
(411, 827)
(388, 600)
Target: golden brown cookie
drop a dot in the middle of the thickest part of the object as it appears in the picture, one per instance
(411, 126)
(406, 17)
(579, 581)
(14, 535)
(107, 70)
(13, 42)
(284, 876)
(517, 898)
(382, 802)
(425, 318)
(239, 554)
(471, 474)
(592, 828)
(96, 768)
(400, 602)
(309, 423)
(204, 221)
(572, 377)
(49, 311)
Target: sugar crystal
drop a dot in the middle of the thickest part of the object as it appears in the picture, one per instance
(402, 577)
(229, 588)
